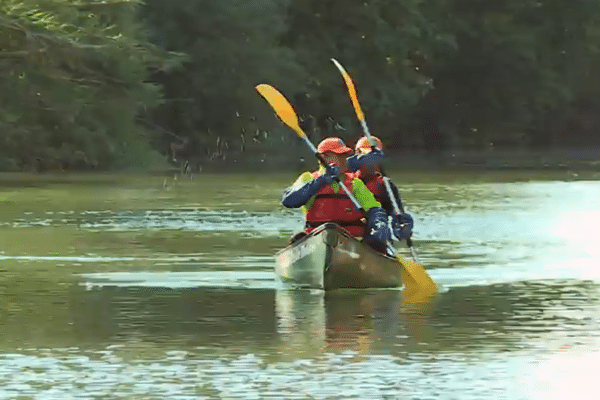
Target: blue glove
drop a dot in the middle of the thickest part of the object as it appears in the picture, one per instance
(297, 195)
(358, 161)
(377, 232)
(331, 172)
(402, 225)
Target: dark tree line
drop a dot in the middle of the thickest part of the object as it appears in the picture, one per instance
(119, 83)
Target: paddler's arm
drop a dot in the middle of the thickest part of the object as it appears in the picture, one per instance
(358, 161)
(305, 187)
(301, 191)
(363, 195)
(377, 232)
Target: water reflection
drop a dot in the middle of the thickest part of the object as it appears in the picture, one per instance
(189, 316)
(292, 323)
(312, 323)
(263, 222)
(496, 341)
(308, 323)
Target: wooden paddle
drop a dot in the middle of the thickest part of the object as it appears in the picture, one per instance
(412, 273)
(414, 270)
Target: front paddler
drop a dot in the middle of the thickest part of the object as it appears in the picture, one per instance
(323, 200)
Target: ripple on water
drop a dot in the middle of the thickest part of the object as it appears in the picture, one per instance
(280, 221)
(178, 280)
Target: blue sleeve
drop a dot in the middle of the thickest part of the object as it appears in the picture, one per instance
(358, 161)
(298, 194)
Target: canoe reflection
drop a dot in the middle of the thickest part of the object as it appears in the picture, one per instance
(358, 320)
(299, 324)
(293, 322)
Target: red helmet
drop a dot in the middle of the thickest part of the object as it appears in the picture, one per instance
(363, 143)
(334, 145)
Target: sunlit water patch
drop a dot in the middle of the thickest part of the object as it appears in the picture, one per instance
(524, 230)
(469, 262)
(183, 375)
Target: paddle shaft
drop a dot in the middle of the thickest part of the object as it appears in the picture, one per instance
(398, 208)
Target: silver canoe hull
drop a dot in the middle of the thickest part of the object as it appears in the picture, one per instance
(330, 258)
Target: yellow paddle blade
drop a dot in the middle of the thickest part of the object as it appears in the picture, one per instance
(351, 90)
(418, 302)
(415, 278)
(282, 107)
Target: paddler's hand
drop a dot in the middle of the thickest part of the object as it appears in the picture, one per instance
(331, 172)
(359, 161)
(402, 225)
(377, 224)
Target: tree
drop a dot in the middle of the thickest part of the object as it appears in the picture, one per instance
(231, 46)
(376, 41)
(515, 63)
(73, 77)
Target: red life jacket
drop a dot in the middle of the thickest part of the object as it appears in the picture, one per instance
(329, 206)
(376, 185)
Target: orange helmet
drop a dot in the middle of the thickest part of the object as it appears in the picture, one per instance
(334, 145)
(363, 143)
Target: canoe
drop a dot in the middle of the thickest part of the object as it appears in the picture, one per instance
(330, 258)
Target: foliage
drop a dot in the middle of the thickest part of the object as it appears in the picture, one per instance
(515, 63)
(375, 41)
(73, 76)
(83, 82)
(232, 45)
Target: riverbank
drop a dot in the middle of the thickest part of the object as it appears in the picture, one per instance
(563, 159)
(556, 159)
(558, 162)
(172, 183)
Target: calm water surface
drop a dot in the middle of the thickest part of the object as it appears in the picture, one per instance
(146, 288)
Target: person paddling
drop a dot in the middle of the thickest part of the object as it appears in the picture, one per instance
(323, 200)
(370, 174)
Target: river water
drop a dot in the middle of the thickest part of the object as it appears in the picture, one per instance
(117, 287)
